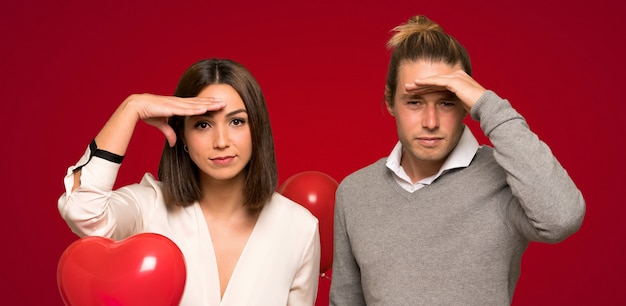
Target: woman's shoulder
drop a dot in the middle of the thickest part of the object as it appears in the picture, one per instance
(287, 221)
(149, 180)
(283, 207)
(148, 188)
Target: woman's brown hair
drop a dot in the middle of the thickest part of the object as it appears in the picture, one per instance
(178, 173)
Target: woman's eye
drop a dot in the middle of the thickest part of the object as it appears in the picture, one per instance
(202, 125)
(238, 122)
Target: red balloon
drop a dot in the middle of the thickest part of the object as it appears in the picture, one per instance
(144, 269)
(316, 191)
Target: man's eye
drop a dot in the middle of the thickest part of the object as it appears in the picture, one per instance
(448, 103)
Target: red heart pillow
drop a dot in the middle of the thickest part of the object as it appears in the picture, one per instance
(144, 269)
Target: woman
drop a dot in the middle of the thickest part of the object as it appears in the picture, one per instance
(244, 244)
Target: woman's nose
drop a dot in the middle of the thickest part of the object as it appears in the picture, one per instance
(220, 140)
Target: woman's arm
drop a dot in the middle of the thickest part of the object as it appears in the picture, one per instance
(89, 205)
(154, 110)
(305, 284)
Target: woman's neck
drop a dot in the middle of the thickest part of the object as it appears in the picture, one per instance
(223, 197)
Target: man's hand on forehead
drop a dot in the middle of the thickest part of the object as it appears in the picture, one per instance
(414, 89)
(458, 83)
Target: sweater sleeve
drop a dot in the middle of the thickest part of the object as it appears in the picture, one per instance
(550, 205)
(94, 209)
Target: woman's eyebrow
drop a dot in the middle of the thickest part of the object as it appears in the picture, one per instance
(230, 114)
(237, 111)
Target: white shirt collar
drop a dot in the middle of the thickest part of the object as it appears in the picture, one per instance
(461, 156)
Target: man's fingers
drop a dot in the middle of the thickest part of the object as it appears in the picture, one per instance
(423, 89)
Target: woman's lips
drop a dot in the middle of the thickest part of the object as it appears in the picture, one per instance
(222, 160)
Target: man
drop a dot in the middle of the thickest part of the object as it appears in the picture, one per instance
(442, 220)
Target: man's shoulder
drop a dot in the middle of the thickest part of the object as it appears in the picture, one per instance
(365, 174)
(484, 155)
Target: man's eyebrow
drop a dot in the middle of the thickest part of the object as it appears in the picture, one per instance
(410, 96)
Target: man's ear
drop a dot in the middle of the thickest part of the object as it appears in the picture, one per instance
(389, 101)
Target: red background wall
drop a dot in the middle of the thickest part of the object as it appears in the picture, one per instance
(66, 65)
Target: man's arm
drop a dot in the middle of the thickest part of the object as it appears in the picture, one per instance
(550, 205)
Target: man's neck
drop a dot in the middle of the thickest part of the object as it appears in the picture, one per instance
(420, 169)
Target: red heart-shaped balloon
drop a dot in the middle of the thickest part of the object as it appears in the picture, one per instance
(144, 269)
